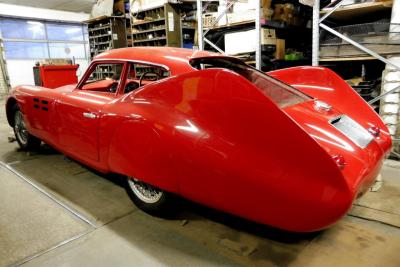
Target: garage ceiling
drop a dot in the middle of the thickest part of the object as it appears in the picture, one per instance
(66, 5)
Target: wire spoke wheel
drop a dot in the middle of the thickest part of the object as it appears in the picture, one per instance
(20, 129)
(145, 192)
(24, 139)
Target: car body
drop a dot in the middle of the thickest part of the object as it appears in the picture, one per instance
(292, 148)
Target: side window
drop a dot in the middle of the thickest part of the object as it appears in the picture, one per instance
(140, 75)
(105, 77)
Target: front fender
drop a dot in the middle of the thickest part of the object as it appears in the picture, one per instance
(16, 96)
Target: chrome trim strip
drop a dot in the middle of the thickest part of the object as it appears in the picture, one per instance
(131, 60)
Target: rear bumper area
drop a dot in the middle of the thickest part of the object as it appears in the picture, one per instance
(362, 172)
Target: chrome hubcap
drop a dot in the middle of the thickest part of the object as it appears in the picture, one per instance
(145, 192)
(20, 130)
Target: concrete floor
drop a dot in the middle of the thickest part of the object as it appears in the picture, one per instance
(55, 212)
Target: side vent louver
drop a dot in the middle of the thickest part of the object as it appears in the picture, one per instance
(44, 103)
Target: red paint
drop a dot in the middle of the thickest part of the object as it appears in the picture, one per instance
(56, 76)
(213, 137)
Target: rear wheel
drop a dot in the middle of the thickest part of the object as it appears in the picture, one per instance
(147, 197)
(25, 140)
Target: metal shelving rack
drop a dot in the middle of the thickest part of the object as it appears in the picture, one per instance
(155, 29)
(105, 33)
(391, 65)
(202, 39)
(128, 27)
(318, 24)
(256, 21)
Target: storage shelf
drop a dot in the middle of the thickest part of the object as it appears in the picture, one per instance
(357, 10)
(100, 36)
(231, 25)
(101, 18)
(269, 25)
(99, 28)
(103, 43)
(147, 21)
(265, 25)
(156, 22)
(151, 30)
(188, 28)
(102, 32)
(150, 40)
(335, 59)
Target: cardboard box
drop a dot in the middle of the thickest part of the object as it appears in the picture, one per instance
(119, 7)
(234, 43)
(241, 16)
(280, 49)
(266, 3)
(243, 5)
(137, 5)
(209, 19)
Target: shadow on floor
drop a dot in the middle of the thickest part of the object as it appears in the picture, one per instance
(240, 240)
(187, 210)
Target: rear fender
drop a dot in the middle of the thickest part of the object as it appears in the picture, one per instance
(324, 84)
(235, 150)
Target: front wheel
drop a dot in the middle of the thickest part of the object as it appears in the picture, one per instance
(147, 197)
(25, 140)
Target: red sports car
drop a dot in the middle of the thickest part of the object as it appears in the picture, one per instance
(292, 148)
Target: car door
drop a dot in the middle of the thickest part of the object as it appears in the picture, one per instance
(80, 111)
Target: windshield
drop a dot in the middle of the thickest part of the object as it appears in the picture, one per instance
(280, 93)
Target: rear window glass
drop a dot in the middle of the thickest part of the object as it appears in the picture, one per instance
(280, 93)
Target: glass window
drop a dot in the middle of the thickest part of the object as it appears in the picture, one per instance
(65, 50)
(139, 75)
(64, 32)
(25, 50)
(280, 93)
(104, 78)
(22, 29)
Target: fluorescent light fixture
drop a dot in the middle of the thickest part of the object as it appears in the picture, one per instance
(32, 22)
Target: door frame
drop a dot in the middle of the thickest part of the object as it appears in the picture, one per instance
(95, 63)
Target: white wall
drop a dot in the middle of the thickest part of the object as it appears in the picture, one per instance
(21, 71)
(41, 13)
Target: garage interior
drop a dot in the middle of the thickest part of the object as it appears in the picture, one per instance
(55, 211)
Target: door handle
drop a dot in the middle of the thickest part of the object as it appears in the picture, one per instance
(89, 115)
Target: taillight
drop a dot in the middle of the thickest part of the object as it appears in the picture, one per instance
(375, 131)
(339, 159)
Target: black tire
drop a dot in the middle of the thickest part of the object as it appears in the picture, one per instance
(25, 140)
(158, 204)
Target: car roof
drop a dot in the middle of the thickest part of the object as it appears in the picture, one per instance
(176, 60)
